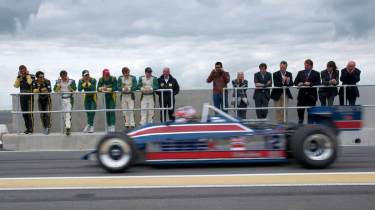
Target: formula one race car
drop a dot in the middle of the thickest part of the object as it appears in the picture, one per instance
(220, 138)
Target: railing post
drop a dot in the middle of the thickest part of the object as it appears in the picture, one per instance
(105, 112)
(61, 114)
(345, 101)
(284, 104)
(235, 102)
(162, 107)
(18, 115)
(224, 108)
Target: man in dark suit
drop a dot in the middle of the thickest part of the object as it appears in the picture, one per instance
(166, 81)
(281, 78)
(350, 76)
(330, 78)
(262, 80)
(306, 96)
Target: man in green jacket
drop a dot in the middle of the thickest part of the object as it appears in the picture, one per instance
(88, 84)
(147, 85)
(127, 84)
(108, 85)
(66, 86)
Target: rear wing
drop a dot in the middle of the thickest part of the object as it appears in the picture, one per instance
(342, 117)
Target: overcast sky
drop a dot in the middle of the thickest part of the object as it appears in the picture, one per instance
(189, 36)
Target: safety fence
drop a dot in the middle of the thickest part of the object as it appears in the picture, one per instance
(232, 93)
(18, 112)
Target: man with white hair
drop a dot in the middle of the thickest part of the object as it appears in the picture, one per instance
(241, 96)
(167, 82)
(349, 76)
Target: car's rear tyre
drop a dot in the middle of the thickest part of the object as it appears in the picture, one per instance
(314, 146)
(115, 152)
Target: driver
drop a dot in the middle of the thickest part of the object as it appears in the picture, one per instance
(186, 114)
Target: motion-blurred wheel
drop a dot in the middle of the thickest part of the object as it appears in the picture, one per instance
(314, 146)
(115, 152)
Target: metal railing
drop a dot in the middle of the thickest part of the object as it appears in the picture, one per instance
(285, 106)
(61, 111)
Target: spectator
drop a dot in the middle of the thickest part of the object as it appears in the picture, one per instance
(281, 78)
(220, 79)
(108, 85)
(24, 82)
(66, 86)
(330, 78)
(241, 100)
(262, 80)
(167, 81)
(127, 84)
(306, 96)
(88, 84)
(43, 85)
(350, 76)
(147, 84)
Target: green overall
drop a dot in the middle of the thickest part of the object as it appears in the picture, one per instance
(89, 98)
(110, 97)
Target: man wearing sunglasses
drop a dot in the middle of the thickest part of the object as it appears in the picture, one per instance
(43, 85)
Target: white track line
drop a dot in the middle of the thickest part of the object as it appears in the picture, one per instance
(187, 176)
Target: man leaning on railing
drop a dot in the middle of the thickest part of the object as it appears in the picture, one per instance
(330, 78)
(43, 85)
(307, 96)
(108, 85)
(66, 86)
(262, 80)
(88, 84)
(282, 78)
(147, 84)
(239, 99)
(349, 76)
(127, 84)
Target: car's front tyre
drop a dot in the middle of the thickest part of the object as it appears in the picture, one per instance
(115, 152)
(314, 146)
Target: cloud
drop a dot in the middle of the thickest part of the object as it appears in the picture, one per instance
(352, 18)
(16, 14)
(189, 37)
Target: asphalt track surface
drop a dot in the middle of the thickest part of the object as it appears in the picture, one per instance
(354, 169)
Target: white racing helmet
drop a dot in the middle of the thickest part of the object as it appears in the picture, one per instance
(186, 112)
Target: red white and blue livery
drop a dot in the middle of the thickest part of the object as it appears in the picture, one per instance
(220, 138)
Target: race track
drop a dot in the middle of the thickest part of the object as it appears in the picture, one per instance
(260, 186)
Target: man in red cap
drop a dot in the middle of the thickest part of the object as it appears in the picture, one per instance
(108, 85)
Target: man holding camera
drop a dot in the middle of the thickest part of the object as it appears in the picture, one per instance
(24, 82)
(220, 78)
